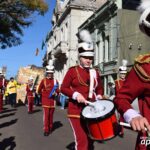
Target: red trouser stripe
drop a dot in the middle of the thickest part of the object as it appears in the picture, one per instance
(82, 141)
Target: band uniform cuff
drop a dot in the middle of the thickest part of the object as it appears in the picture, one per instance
(130, 114)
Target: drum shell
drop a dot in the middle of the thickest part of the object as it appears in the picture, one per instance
(102, 128)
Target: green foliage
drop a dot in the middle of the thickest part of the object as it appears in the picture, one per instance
(16, 15)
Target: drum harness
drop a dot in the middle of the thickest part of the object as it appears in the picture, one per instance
(92, 78)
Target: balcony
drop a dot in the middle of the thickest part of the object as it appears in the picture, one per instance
(61, 48)
(108, 68)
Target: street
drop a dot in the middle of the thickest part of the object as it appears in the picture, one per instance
(22, 131)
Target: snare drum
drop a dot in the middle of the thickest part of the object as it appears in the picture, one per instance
(101, 120)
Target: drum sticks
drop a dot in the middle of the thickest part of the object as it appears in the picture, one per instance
(127, 125)
(90, 103)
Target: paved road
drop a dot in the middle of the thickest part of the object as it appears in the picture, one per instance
(22, 131)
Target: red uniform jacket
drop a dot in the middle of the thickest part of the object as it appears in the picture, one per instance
(30, 93)
(137, 84)
(77, 79)
(3, 84)
(44, 89)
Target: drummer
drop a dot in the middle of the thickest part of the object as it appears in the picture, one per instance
(82, 83)
(137, 85)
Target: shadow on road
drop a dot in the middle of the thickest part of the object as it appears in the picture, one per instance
(5, 108)
(7, 115)
(8, 110)
(8, 123)
(71, 146)
(37, 110)
(57, 124)
(20, 103)
(8, 143)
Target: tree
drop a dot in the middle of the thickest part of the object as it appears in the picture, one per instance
(15, 15)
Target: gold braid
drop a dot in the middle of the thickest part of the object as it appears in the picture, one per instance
(141, 73)
(80, 79)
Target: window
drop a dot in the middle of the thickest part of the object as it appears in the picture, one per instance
(132, 5)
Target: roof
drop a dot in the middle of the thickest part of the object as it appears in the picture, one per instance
(87, 3)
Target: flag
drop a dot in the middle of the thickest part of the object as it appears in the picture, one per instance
(37, 52)
(43, 44)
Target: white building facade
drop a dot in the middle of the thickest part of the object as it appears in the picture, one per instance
(116, 35)
(62, 44)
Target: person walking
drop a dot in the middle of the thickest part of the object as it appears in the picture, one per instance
(12, 90)
(82, 83)
(30, 94)
(3, 85)
(48, 102)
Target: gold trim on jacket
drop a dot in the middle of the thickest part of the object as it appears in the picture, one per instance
(48, 106)
(143, 59)
(73, 116)
(141, 73)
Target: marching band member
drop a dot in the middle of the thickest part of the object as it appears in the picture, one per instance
(3, 84)
(30, 94)
(137, 84)
(48, 104)
(82, 83)
(118, 84)
(122, 75)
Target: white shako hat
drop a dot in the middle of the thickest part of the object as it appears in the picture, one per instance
(123, 68)
(85, 44)
(50, 67)
(30, 78)
(144, 22)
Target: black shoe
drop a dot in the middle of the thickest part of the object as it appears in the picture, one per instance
(46, 133)
(121, 134)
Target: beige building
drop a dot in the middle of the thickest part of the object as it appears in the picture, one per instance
(62, 44)
(23, 75)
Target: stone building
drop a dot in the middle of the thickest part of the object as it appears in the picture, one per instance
(116, 35)
(113, 25)
(68, 15)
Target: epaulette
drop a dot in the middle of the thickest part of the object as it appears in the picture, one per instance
(142, 59)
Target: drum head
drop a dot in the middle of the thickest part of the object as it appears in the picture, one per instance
(101, 110)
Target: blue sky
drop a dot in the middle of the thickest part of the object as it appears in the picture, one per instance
(24, 54)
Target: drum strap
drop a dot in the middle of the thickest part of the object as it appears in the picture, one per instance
(92, 77)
